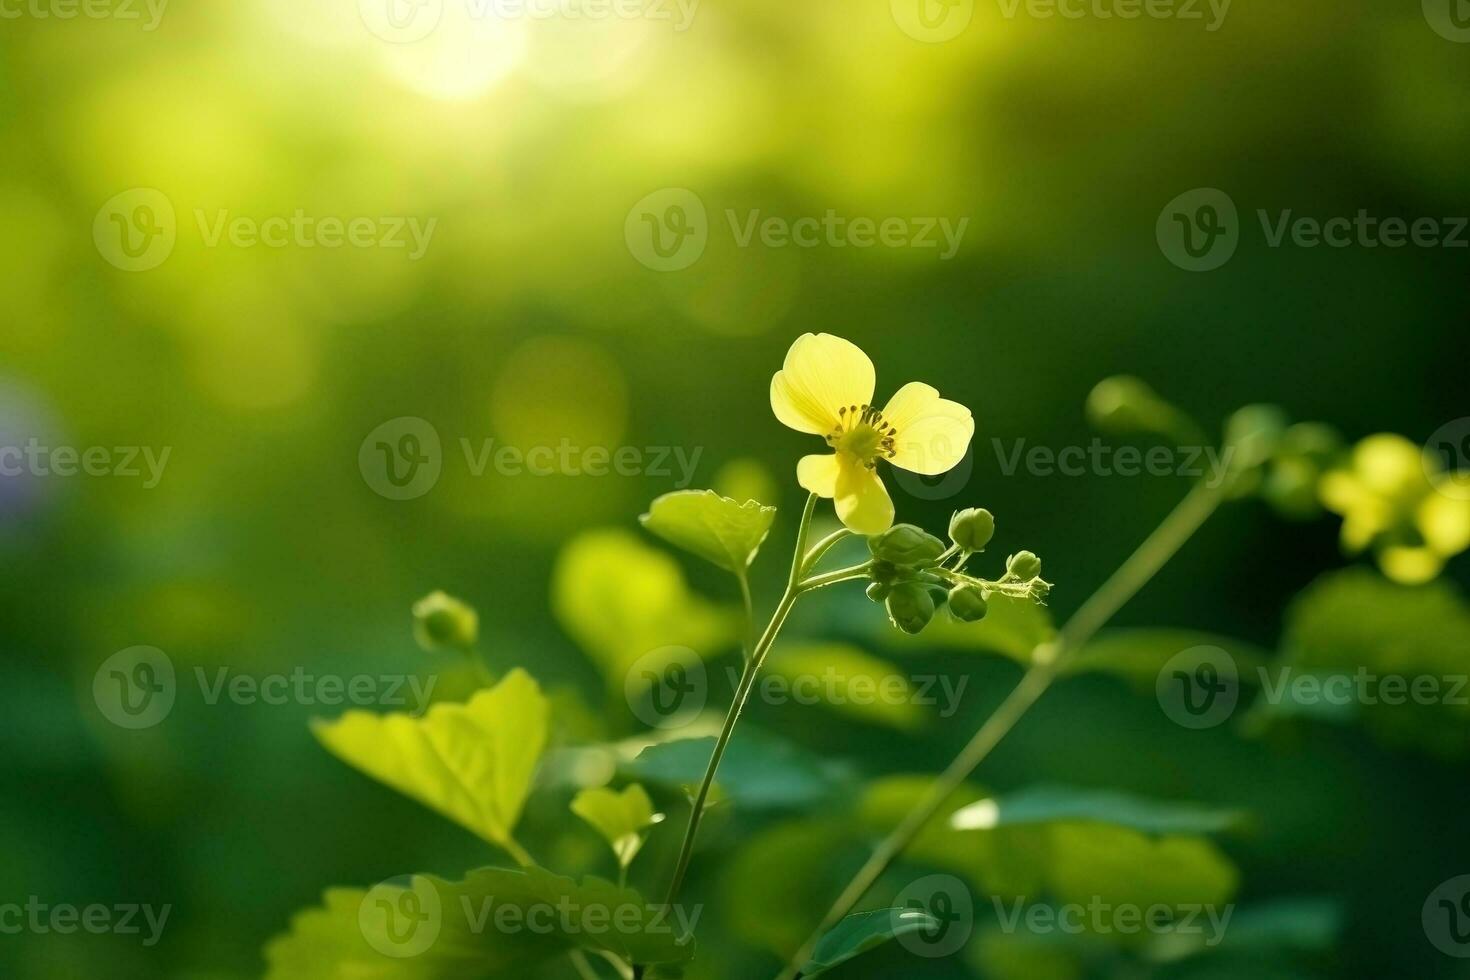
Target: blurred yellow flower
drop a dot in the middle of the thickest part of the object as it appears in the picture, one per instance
(825, 388)
(1390, 499)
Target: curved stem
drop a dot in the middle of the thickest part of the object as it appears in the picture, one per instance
(820, 549)
(742, 694)
(1047, 661)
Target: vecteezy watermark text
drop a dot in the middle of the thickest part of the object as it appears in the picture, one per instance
(403, 458)
(152, 10)
(1211, 12)
(123, 919)
(128, 462)
(1098, 458)
(1099, 917)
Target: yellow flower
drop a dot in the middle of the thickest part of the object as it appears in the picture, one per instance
(1391, 498)
(826, 388)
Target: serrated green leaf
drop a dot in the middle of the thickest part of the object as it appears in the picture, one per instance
(1052, 804)
(715, 528)
(621, 818)
(623, 601)
(496, 924)
(471, 762)
(861, 932)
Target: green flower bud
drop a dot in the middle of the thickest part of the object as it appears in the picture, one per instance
(910, 607)
(878, 591)
(972, 529)
(1024, 566)
(905, 544)
(1123, 405)
(1316, 441)
(967, 602)
(884, 571)
(442, 622)
(1291, 487)
(1252, 434)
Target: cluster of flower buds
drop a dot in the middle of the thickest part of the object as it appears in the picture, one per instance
(913, 572)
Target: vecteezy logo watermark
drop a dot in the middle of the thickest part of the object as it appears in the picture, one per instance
(669, 229)
(948, 900)
(667, 688)
(138, 687)
(135, 688)
(1450, 19)
(932, 21)
(138, 229)
(1198, 687)
(402, 459)
(1101, 918)
(1450, 445)
(1200, 230)
(401, 917)
(152, 10)
(63, 919)
(1446, 917)
(407, 21)
(39, 460)
(1100, 459)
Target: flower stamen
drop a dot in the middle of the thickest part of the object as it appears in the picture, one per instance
(864, 433)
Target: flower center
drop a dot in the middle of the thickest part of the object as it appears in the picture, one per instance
(862, 432)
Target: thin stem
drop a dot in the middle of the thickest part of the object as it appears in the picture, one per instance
(832, 578)
(519, 853)
(820, 549)
(1047, 660)
(743, 577)
(742, 694)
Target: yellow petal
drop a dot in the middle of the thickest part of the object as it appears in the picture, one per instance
(863, 504)
(1444, 522)
(933, 432)
(1410, 566)
(818, 474)
(822, 373)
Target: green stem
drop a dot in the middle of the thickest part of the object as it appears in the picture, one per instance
(743, 577)
(820, 549)
(1047, 661)
(742, 694)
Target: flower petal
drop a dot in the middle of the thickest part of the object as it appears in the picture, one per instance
(818, 474)
(933, 432)
(863, 504)
(822, 373)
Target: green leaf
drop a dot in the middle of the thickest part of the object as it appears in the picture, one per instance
(713, 527)
(1359, 624)
(1137, 655)
(621, 818)
(471, 762)
(1050, 804)
(494, 924)
(624, 601)
(861, 932)
(844, 679)
(758, 771)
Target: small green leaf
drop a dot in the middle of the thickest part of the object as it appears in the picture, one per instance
(1050, 804)
(861, 932)
(471, 762)
(623, 600)
(496, 924)
(713, 527)
(758, 770)
(621, 818)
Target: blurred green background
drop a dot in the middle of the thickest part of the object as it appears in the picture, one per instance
(529, 320)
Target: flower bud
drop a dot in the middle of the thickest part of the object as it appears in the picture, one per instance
(878, 591)
(1252, 433)
(905, 544)
(442, 622)
(972, 528)
(910, 607)
(967, 602)
(1123, 405)
(1024, 566)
